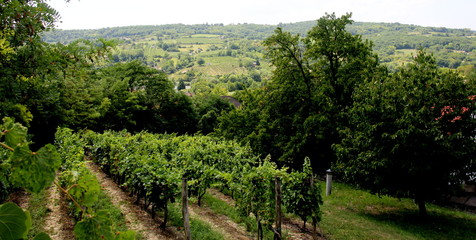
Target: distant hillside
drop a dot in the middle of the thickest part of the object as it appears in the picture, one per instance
(178, 47)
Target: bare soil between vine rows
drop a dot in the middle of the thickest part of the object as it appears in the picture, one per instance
(137, 219)
(58, 224)
(292, 227)
(141, 221)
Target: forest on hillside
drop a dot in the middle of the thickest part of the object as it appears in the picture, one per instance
(392, 41)
(205, 58)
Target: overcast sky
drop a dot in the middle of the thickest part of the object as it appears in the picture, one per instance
(92, 14)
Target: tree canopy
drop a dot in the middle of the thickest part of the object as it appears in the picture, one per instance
(310, 89)
(411, 134)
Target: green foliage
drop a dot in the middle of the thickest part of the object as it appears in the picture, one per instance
(302, 194)
(152, 166)
(312, 84)
(14, 222)
(15, 134)
(31, 170)
(34, 170)
(345, 59)
(412, 134)
(99, 226)
(209, 108)
(94, 216)
(256, 196)
(42, 236)
(221, 207)
(21, 51)
(21, 167)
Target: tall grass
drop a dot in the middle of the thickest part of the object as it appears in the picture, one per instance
(199, 229)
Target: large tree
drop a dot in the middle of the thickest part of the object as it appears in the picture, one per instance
(311, 87)
(411, 134)
(21, 55)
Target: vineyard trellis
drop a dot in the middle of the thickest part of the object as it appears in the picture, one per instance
(152, 167)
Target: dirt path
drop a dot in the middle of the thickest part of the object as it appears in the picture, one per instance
(141, 221)
(291, 226)
(136, 218)
(224, 225)
(20, 198)
(58, 224)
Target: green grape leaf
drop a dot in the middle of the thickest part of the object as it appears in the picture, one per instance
(15, 134)
(14, 222)
(93, 228)
(42, 236)
(87, 189)
(34, 170)
(127, 235)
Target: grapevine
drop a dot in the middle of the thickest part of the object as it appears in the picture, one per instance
(151, 167)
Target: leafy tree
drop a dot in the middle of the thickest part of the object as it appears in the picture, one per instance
(208, 110)
(181, 85)
(201, 61)
(310, 89)
(137, 97)
(344, 60)
(176, 114)
(43, 85)
(411, 134)
(21, 23)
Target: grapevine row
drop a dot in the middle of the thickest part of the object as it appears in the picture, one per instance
(83, 190)
(151, 166)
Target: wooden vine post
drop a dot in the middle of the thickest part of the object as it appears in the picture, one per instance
(186, 221)
(277, 185)
(314, 219)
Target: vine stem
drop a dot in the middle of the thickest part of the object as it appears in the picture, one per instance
(7, 147)
(69, 195)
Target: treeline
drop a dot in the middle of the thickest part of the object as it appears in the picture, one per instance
(451, 47)
(75, 86)
(174, 31)
(408, 133)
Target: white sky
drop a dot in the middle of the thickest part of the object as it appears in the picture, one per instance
(92, 14)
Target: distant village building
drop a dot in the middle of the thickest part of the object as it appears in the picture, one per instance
(232, 100)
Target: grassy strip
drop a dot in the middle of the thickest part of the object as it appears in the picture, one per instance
(221, 207)
(199, 229)
(38, 210)
(354, 214)
(104, 203)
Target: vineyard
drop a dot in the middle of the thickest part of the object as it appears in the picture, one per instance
(162, 173)
(133, 136)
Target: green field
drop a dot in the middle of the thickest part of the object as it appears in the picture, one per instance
(354, 214)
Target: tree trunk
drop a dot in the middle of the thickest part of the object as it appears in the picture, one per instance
(166, 216)
(422, 207)
(260, 229)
